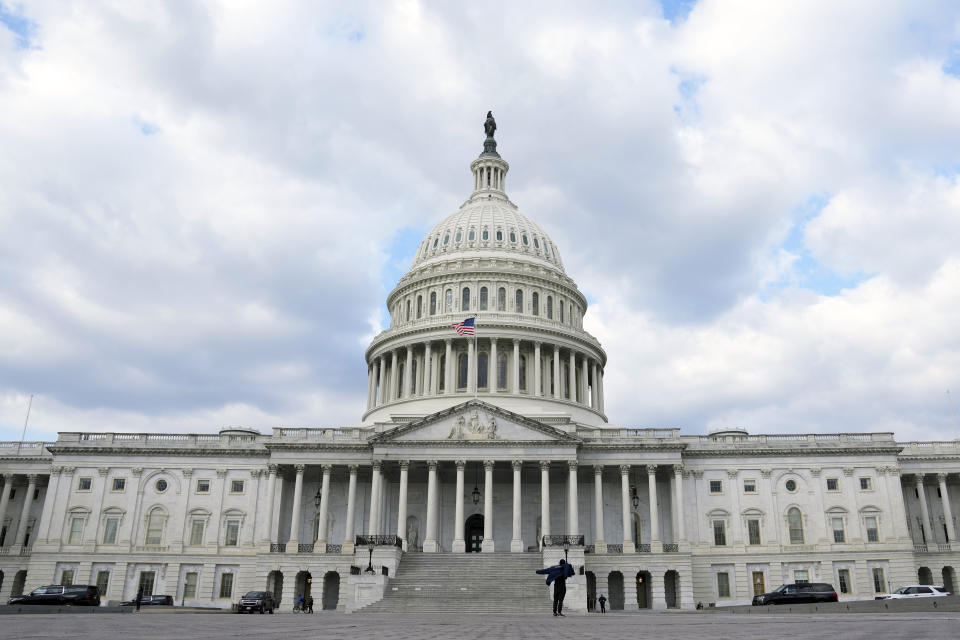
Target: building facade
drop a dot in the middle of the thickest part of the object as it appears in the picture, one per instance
(495, 442)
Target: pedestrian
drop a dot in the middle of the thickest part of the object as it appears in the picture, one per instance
(299, 606)
(603, 603)
(309, 603)
(558, 574)
(139, 597)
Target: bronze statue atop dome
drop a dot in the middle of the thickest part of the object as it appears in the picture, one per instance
(490, 125)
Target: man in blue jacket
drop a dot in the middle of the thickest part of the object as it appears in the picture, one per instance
(558, 574)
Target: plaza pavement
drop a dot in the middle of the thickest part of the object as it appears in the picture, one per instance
(662, 626)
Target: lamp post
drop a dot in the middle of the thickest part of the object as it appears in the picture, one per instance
(634, 498)
(369, 568)
(317, 498)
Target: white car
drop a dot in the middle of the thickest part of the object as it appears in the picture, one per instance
(916, 591)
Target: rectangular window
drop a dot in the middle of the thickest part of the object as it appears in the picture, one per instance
(879, 580)
(716, 486)
(226, 585)
(800, 576)
(232, 537)
(843, 577)
(866, 484)
(196, 532)
(873, 532)
(84, 484)
(190, 585)
(103, 582)
(110, 527)
(723, 585)
(66, 577)
(203, 486)
(76, 531)
(833, 484)
(719, 533)
(236, 486)
(146, 581)
(753, 531)
(838, 535)
(119, 484)
(749, 486)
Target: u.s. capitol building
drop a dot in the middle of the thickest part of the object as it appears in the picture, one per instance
(497, 444)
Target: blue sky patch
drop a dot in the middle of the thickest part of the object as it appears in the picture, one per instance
(689, 86)
(676, 10)
(951, 65)
(400, 255)
(146, 128)
(24, 28)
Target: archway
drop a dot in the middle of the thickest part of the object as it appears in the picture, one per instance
(302, 586)
(331, 590)
(1, 579)
(591, 591)
(643, 589)
(948, 578)
(19, 579)
(473, 532)
(275, 585)
(615, 587)
(924, 575)
(671, 588)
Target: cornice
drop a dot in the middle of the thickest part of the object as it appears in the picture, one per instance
(633, 446)
(786, 451)
(475, 444)
(45, 460)
(320, 446)
(62, 450)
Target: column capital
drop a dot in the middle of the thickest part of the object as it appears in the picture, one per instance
(377, 465)
(733, 473)
(698, 473)
(256, 473)
(917, 479)
(54, 471)
(488, 465)
(187, 472)
(136, 471)
(598, 469)
(942, 477)
(766, 473)
(352, 468)
(516, 464)
(32, 478)
(624, 469)
(297, 467)
(222, 473)
(460, 464)
(651, 469)
(404, 464)
(545, 465)
(103, 471)
(432, 465)
(573, 464)
(448, 341)
(848, 471)
(678, 469)
(326, 468)
(8, 477)
(815, 472)
(492, 340)
(272, 469)
(538, 343)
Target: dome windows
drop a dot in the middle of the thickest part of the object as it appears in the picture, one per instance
(465, 299)
(499, 235)
(513, 236)
(485, 235)
(448, 301)
(549, 307)
(459, 236)
(501, 299)
(536, 243)
(433, 303)
(518, 302)
(483, 298)
(524, 239)
(436, 241)
(446, 239)
(472, 235)
(535, 303)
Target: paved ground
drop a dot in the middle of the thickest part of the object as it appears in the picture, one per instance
(662, 626)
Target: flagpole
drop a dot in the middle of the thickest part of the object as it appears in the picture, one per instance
(476, 351)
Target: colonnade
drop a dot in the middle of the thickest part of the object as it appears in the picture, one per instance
(929, 534)
(501, 366)
(24, 523)
(431, 542)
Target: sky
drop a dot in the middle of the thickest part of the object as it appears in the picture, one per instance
(203, 206)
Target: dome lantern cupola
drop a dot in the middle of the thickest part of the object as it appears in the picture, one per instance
(489, 170)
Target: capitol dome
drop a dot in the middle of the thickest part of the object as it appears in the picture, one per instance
(489, 262)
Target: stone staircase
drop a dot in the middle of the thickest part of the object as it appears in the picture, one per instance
(465, 583)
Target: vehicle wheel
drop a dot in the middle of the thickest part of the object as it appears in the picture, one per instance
(261, 610)
(271, 611)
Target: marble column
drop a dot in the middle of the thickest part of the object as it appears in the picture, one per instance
(594, 388)
(600, 544)
(931, 533)
(402, 503)
(944, 501)
(25, 512)
(348, 537)
(429, 378)
(573, 515)
(516, 543)
(408, 380)
(471, 367)
(537, 371)
(430, 537)
(516, 366)
(600, 390)
(492, 369)
(371, 385)
(373, 524)
(267, 536)
(628, 544)
(381, 388)
(394, 378)
(5, 500)
(295, 513)
(572, 377)
(449, 367)
(320, 546)
(584, 381)
(459, 545)
(678, 504)
(488, 544)
(655, 539)
(544, 500)
(555, 378)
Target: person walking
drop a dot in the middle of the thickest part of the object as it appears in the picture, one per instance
(603, 603)
(139, 597)
(558, 575)
(299, 606)
(309, 603)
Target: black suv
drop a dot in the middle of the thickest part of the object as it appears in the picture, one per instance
(149, 600)
(799, 593)
(61, 594)
(256, 601)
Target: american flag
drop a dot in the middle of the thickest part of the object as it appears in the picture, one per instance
(464, 328)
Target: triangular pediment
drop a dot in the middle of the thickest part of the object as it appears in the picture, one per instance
(478, 422)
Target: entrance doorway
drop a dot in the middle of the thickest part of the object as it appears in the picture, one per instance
(301, 587)
(275, 585)
(671, 589)
(331, 591)
(643, 589)
(473, 532)
(615, 590)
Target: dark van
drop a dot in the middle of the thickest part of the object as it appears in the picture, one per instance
(82, 595)
(800, 593)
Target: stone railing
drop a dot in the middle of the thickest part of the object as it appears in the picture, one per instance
(615, 548)
(643, 547)
(334, 548)
(162, 439)
(278, 547)
(671, 547)
(305, 547)
(23, 448)
(379, 541)
(793, 437)
(563, 541)
(326, 434)
(8, 551)
(152, 548)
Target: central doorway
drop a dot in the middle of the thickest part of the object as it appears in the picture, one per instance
(473, 531)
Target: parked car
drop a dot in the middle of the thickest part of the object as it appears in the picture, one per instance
(802, 592)
(916, 591)
(148, 601)
(86, 595)
(256, 601)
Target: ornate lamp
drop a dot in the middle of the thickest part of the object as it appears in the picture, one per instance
(317, 498)
(475, 494)
(634, 498)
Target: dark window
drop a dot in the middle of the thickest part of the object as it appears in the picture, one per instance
(518, 303)
(501, 299)
(549, 307)
(462, 371)
(465, 300)
(482, 371)
(501, 371)
(523, 373)
(483, 298)
(535, 303)
(419, 307)
(433, 303)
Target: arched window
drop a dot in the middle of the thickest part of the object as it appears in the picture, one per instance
(523, 373)
(483, 298)
(408, 311)
(458, 236)
(446, 238)
(465, 300)
(448, 301)
(485, 235)
(513, 236)
(501, 371)
(413, 376)
(155, 523)
(549, 307)
(560, 309)
(499, 235)
(462, 371)
(535, 303)
(482, 371)
(471, 236)
(795, 524)
(433, 303)
(518, 303)
(501, 299)
(442, 380)
(419, 307)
